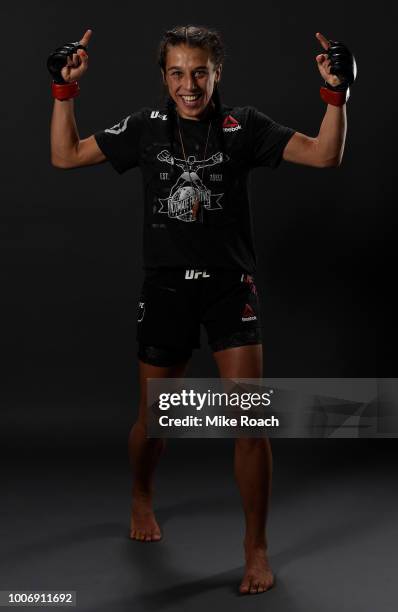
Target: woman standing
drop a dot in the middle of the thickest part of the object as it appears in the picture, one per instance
(195, 155)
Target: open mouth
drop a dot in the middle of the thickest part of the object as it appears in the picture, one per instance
(191, 100)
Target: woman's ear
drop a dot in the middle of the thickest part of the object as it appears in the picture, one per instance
(163, 76)
(218, 73)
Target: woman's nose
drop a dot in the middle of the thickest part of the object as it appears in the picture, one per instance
(189, 83)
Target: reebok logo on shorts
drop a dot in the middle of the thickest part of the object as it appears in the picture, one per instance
(248, 314)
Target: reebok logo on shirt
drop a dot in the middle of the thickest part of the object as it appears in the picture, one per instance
(248, 314)
(230, 124)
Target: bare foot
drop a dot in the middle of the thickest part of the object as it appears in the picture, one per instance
(143, 524)
(258, 576)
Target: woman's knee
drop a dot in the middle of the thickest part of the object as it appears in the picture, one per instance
(139, 436)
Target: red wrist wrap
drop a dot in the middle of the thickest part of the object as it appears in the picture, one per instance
(337, 98)
(64, 91)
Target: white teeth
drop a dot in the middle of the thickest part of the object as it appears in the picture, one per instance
(190, 98)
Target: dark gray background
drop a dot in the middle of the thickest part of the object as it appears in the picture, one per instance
(71, 267)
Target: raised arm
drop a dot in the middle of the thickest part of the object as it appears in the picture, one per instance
(67, 150)
(338, 69)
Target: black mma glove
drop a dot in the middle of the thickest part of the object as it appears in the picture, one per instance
(342, 64)
(58, 59)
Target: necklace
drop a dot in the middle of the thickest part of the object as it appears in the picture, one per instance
(197, 210)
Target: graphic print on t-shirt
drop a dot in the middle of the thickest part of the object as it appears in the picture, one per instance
(118, 128)
(189, 189)
(222, 239)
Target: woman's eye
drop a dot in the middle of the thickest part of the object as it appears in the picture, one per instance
(198, 74)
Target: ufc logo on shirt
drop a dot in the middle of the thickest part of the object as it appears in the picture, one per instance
(157, 115)
(192, 274)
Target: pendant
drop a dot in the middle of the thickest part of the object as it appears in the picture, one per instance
(195, 209)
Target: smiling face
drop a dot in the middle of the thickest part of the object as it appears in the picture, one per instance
(190, 76)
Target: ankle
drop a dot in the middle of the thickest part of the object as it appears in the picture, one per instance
(255, 543)
(142, 493)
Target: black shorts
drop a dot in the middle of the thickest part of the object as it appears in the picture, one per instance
(174, 302)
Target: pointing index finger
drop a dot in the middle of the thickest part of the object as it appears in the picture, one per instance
(324, 41)
(86, 37)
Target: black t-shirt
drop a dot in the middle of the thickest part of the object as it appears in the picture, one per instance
(212, 180)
